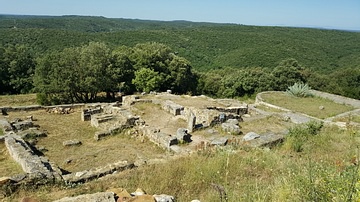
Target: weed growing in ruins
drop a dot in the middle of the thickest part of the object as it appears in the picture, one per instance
(299, 134)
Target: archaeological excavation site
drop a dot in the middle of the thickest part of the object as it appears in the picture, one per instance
(78, 143)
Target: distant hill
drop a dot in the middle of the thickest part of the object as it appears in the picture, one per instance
(205, 45)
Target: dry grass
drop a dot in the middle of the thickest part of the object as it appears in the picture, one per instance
(308, 105)
(8, 166)
(91, 153)
(153, 115)
(18, 100)
(322, 172)
(350, 118)
(263, 125)
(268, 109)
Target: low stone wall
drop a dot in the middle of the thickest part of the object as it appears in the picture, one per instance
(31, 163)
(337, 98)
(86, 113)
(132, 99)
(207, 117)
(98, 197)
(234, 110)
(21, 108)
(87, 175)
(97, 119)
(38, 107)
(157, 137)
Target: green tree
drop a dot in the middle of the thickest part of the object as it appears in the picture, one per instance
(147, 80)
(172, 71)
(17, 66)
(77, 74)
(4, 73)
(122, 71)
(286, 74)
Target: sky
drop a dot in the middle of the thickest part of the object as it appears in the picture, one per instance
(331, 14)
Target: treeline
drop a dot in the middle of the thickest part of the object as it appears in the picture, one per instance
(80, 74)
(54, 56)
(206, 45)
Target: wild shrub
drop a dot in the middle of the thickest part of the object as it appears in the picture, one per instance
(299, 90)
(298, 135)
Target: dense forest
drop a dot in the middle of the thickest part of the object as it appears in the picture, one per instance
(72, 58)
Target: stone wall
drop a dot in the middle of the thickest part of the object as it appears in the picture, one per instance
(31, 163)
(157, 137)
(87, 175)
(86, 113)
(171, 107)
(234, 110)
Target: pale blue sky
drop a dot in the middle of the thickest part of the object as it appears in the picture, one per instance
(334, 14)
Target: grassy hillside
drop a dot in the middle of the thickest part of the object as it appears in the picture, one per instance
(206, 45)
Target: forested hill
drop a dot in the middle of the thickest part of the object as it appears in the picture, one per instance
(206, 45)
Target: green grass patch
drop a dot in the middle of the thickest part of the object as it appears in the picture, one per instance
(307, 105)
(18, 100)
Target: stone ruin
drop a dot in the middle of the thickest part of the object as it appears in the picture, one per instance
(115, 118)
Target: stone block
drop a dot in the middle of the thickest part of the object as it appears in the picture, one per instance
(231, 128)
(23, 125)
(100, 118)
(32, 133)
(191, 122)
(250, 136)
(97, 197)
(173, 108)
(86, 175)
(101, 134)
(220, 141)
(266, 140)
(164, 198)
(68, 143)
(182, 135)
(86, 113)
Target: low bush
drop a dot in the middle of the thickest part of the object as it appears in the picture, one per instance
(299, 134)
